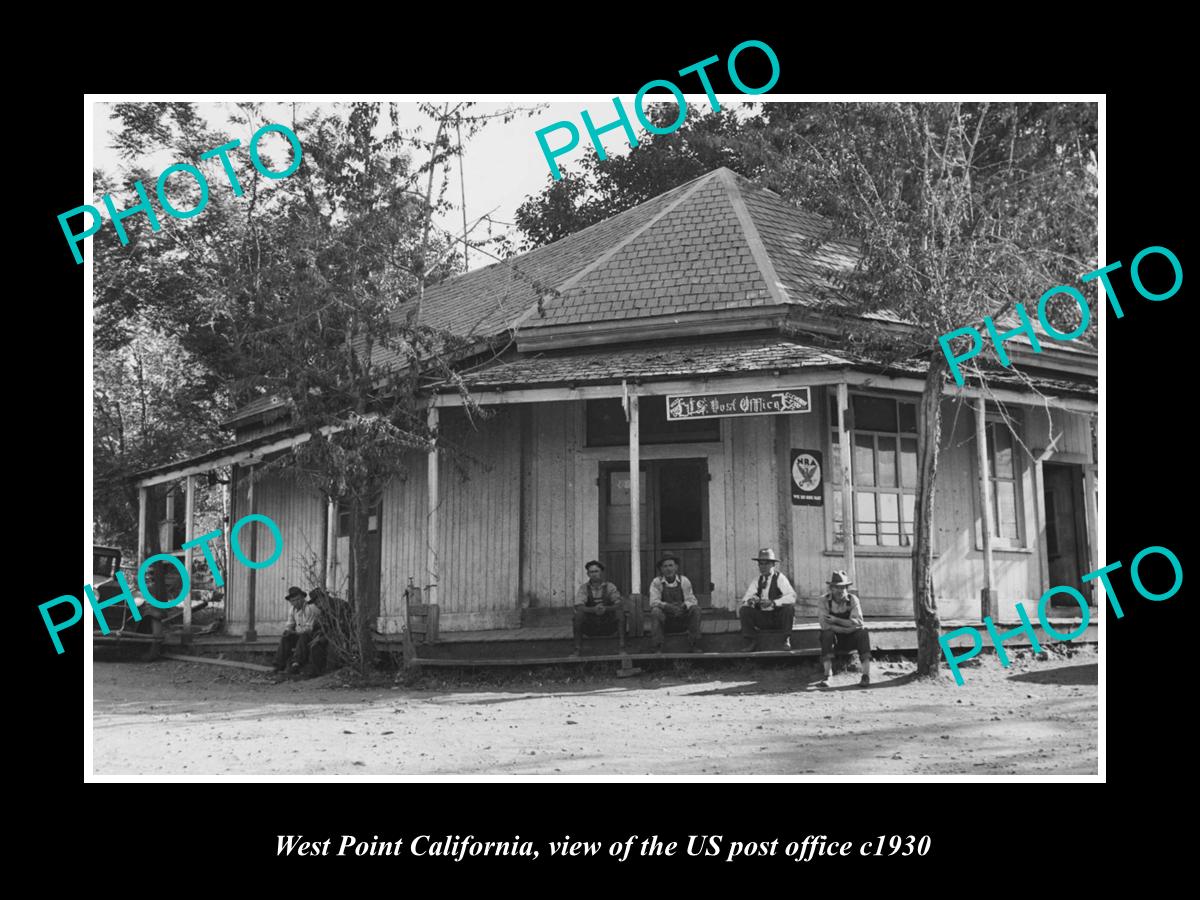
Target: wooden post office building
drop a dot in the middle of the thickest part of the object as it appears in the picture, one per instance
(671, 380)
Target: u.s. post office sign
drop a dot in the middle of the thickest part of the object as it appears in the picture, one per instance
(744, 403)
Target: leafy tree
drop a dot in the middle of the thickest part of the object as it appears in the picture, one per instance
(960, 210)
(292, 291)
(657, 164)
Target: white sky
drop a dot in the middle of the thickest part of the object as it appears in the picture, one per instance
(503, 164)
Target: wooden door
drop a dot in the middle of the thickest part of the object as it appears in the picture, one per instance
(674, 518)
(1066, 531)
(615, 526)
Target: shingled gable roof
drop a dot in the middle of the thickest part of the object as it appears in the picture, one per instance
(709, 250)
(716, 242)
(722, 243)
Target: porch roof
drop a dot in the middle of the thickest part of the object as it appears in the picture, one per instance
(704, 360)
(649, 362)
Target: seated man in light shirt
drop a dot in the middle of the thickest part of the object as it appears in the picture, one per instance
(672, 598)
(298, 633)
(843, 628)
(769, 602)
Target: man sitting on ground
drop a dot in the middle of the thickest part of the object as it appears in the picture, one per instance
(597, 608)
(297, 634)
(842, 627)
(672, 598)
(769, 603)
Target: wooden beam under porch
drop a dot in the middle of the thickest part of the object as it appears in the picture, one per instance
(551, 644)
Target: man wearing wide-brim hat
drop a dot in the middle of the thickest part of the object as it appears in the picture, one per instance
(769, 603)
(298, 633)
(842, 627)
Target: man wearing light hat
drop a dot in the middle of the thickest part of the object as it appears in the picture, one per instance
(298, 633)
(769, 603)
(842, 627)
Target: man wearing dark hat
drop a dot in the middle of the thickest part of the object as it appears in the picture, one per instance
(298, 633)
(672, 599)
(769, 603)
(842, 627)
(597, 608)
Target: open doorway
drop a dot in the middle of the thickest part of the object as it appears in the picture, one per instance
(1066, 531)
(674, 518)
(369, 591)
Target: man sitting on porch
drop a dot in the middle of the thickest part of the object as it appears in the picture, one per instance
(842, 627)
(769, 603)
(297, 634)
(672, 600)
(597, 608)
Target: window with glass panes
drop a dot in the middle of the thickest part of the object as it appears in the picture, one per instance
(883, 461)
(1006, 493)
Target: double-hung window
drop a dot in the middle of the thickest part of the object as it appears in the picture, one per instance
(883, 441)
(1004, 481)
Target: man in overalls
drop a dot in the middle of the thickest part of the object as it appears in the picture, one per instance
(598, 609)
(842, 627)
(671, 597)
(769, 602)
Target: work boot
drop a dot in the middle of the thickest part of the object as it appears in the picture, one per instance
(749, 645)
(865, 681)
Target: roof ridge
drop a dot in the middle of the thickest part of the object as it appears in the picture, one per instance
(758, 250)
(692, 186)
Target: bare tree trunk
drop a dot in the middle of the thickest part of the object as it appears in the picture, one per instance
(925, 611)
(366, 609)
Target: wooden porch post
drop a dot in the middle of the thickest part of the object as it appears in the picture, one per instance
(251, 574)
(166, 534)
(431, 529)
(843, 404)
(987, 604)
(143, 502)
(635, 515)
(189, 532)
(227, 523)
(329, 556)
(1090, 513)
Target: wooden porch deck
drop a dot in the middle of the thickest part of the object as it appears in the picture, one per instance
(552, 644)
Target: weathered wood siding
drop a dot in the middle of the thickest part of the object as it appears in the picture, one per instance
(300, 515)
(517, 531)
(478, 523)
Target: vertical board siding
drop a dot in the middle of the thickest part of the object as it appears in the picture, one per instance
(478, 545)
(300, 514)
(533, 459)
(550, 503)
(806, 563)
(753, 491)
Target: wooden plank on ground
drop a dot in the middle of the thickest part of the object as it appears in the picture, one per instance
(609, 657)
(237, 664)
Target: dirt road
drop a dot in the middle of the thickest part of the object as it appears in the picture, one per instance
(1038, 717)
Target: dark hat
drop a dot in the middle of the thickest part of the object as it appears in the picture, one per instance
(670, 556)
(295, 593)
(766, 554)
(840, 579)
